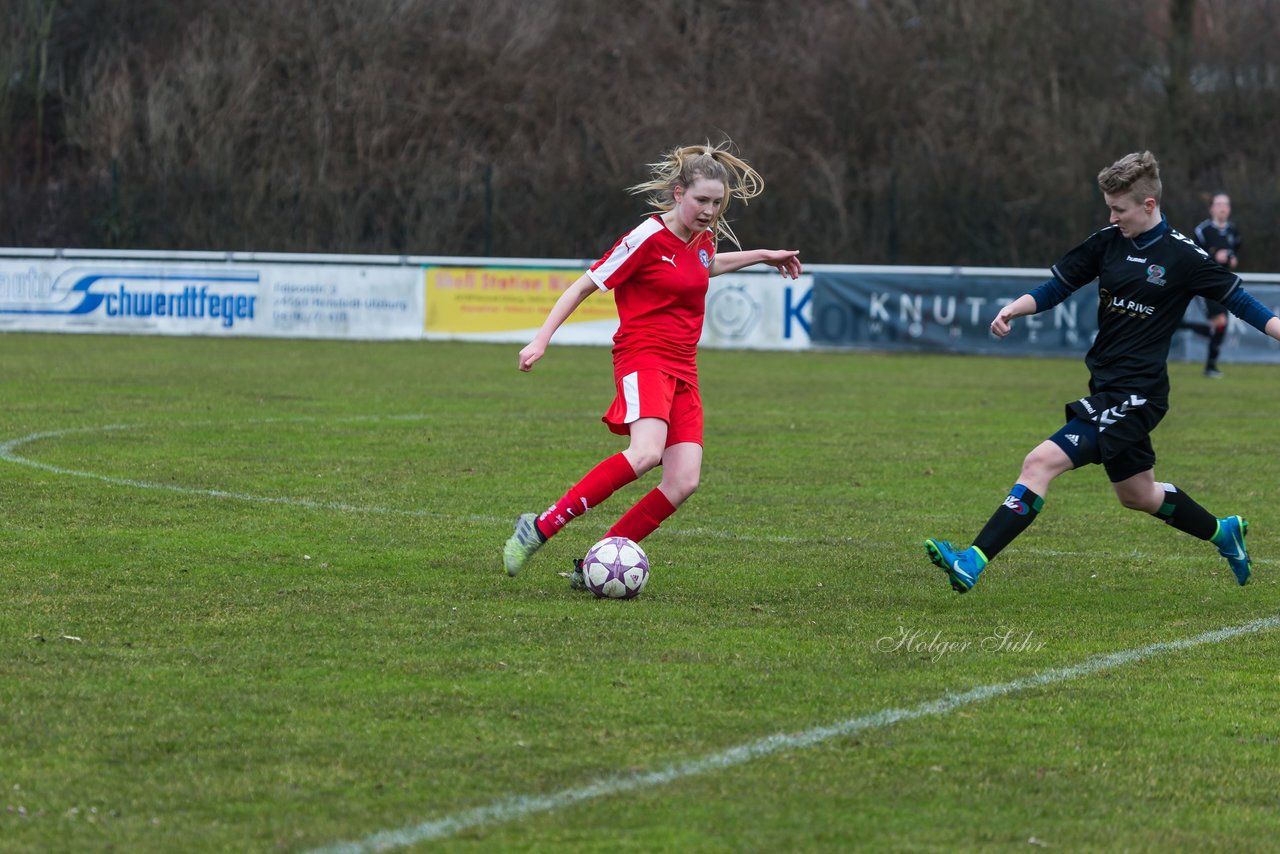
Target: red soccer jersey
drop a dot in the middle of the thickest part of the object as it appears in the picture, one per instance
(660, 287)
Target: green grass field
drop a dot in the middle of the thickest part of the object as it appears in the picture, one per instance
(251, 601)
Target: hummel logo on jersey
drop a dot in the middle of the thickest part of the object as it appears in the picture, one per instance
(1073, 439)
(1136, 260)
(672, 259)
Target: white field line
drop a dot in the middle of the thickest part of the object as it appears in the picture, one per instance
(9, 453)
(513, 808)
(519, 806)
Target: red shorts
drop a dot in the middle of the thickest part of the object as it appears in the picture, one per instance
(653, 394)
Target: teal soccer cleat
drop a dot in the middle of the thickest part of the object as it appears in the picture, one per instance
(962, 568)
(1230, 542)
(526, 540)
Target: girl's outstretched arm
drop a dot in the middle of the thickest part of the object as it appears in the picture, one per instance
(785, 261)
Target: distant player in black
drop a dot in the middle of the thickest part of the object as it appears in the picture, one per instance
(1147, 274)
(1220, 237)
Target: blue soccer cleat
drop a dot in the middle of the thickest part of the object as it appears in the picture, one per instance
(962, 568)
(1230, 542)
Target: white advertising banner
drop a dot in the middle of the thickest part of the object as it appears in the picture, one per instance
(221, 299)
(758, 311)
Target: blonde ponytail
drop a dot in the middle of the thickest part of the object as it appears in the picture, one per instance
(681, 167)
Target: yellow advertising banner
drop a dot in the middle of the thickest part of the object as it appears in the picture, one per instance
(463, 300)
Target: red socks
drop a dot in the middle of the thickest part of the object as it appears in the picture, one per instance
(643, 519)
(597, 485)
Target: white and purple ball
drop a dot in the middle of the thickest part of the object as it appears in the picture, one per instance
(616, 568)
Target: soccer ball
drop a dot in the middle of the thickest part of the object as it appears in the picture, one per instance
(616, 568)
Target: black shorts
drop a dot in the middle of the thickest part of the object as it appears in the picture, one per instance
(1124, 422)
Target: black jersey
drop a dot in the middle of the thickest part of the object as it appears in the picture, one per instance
(1211, 238)
(1142, 295)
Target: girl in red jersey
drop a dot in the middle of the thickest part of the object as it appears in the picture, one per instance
(658, 272)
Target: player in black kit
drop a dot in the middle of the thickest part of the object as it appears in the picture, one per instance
(1147, 274)
(1220, 237)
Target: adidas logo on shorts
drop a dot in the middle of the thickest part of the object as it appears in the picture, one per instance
(1073, 439)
